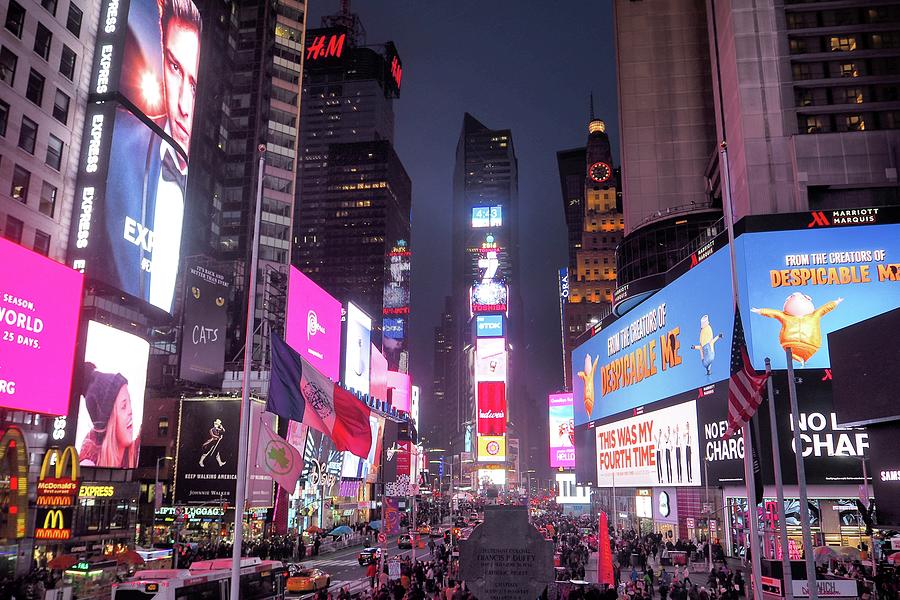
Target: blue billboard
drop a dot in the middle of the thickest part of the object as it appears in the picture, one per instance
(394, 328)
(489, 326)
(798, 286)
(676, 340)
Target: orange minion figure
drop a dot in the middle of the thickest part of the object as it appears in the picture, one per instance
(588, 377)
(800, 324)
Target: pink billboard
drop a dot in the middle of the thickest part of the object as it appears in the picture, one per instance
(313, 324)
(399, 390)
(378, 373)
(562, 431)
(40, 301)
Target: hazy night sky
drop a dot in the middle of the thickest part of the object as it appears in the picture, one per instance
(519, 64)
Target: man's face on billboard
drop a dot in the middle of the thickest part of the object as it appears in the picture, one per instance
(181, 56)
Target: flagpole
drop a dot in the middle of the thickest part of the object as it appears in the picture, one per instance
(801, 480)
(787, 576)
(749, 476)
(240, 494)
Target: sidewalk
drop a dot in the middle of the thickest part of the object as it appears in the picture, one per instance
(697, 578)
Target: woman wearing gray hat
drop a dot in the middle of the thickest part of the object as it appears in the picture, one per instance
(111, 442)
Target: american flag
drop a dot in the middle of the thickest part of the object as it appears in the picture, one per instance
(745, 385)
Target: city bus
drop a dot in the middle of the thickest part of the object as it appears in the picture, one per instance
(206, 580)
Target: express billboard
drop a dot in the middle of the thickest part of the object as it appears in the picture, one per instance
(677, 339)
(313, 324)
(40, 301)
(562, 431)
(111, 397)
(651, 449)
(491, 401)
(490, 359)
(204, 319)
(357, 349)
(798, 286)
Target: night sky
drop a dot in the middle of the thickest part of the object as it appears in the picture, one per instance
(524, 65)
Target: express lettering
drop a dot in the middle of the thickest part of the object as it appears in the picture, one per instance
(105, 65)
(112, 16)
(84, 219)
(93, 153)
(204, 335)
(138, 235)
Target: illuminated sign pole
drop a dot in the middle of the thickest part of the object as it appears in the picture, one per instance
(240, 492)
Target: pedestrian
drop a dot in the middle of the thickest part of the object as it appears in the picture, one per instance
(372, 573)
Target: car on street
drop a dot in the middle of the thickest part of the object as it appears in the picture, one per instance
(306, 580)
(405, 542)
(369, 555)
(424, 529)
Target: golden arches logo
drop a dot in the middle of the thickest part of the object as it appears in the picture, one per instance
(69, 454)
(54, 519)
(55, 526)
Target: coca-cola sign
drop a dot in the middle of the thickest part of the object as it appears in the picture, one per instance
(491, 407)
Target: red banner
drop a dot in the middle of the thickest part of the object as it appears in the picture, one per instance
(491, 408)
(605, 572)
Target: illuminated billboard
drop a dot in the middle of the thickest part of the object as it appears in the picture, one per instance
(491, 477)
(491, 448)
(378, 381)
(414, 406)
(490, 359)
(204, 319)
(489, 296)
(396, 281)
(394, 328)
(487, 216)
(313, 324)
(657, 448)
(489, 326)
(799, 286)
(562, 431)
(357, 351)
(399, 390)
(40, 301)
(677, 339)
(491, 400)
(568, 492)
(111, 397)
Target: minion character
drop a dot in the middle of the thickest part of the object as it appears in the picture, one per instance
(707, 345)
(588, 377)
(800, 320)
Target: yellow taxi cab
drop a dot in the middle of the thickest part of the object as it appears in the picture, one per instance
(307, 580)
(424, 529)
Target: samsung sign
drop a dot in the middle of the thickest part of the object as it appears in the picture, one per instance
(489, 326)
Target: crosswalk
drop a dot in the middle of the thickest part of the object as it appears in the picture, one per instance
(331, 562)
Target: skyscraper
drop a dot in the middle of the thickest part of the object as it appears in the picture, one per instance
(443, 418)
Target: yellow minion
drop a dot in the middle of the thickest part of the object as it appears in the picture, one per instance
(707, 345)
(800, 324)
(588, 377)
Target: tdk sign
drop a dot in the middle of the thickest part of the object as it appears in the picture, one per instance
(489, 326)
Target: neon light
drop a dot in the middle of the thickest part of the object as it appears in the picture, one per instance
(327, 46)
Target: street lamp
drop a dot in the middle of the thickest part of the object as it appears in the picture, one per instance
(156, 502)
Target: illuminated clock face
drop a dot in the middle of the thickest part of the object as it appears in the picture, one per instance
(600, 172)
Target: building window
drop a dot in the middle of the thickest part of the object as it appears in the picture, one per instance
(61, 107)
(163, 427)
(853, 96)
(50, 5)
(42, 40)
(48, 199)
(19, 187)
(15, 18)
(42, 242)
(14, 229)
(4, 117)
(849, 70)
(854, 123)
(28, 135)
(802, 71)
(797, 45)
(35, 89)
(842, 44)
(73, 23)
(8, 62)
(54, 152)
(67, 63)
(812, 124)
(885, 39)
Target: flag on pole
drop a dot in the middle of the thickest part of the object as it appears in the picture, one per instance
(745, 385)
(299, 392)
(278, 458)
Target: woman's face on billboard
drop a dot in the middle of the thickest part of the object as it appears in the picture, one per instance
(124, 420)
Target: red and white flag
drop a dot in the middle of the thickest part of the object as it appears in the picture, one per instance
(745, 385)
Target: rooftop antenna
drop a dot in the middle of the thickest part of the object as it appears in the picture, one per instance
(592, 104)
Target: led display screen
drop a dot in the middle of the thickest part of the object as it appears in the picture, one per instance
(677, 339)
(489, 297)
(394, 328)
(414, 406)
(378, 367)
(487, 216)
(400, 390)
(490, 359)
(396, 281)
(885, 475)
(570, 493)
(658, 448)
(491, 448)
(491, 407)
(357, 351)
(491, 477)
(205, 317)
(40, 301)
(489, 326)
(313, 324)
(111, 397)
(562, 431)
(798, 286)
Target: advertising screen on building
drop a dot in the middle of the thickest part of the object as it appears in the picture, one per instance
(491, 407)
(400, 390)
(491, 477)
(40, 301)
(396, 281)
(378, 367)
(487, 216)
(414, 406)
(394, 328)
(357, 351)
(562, 431)
(570, 493)
(111, 397)
(886, 472)
(799, 286)
(490, 359)
(489, 296)
(653, 449)
(313, 324)
(489, 326)
(677, 339)
(205, 317)
(207, 452)
(491, 448)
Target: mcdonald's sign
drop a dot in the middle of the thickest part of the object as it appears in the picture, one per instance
(53, 524)
(58, 490)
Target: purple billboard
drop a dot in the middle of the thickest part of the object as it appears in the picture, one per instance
(313, 324)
